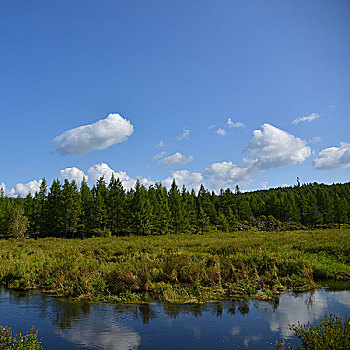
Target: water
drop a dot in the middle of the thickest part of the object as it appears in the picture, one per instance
(228, 324)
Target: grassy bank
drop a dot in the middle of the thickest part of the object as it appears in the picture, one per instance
(177, 267)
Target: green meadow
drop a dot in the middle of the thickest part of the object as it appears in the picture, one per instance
(177, 268)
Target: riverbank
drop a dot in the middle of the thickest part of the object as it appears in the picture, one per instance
(177, 268)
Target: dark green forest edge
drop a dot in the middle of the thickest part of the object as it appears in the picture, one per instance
(174, 245)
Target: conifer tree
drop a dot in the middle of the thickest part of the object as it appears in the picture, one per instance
(341, 210)
(202, 220)
(52, 208)
(71, 202)
(176, 208)
(141, 211)
(116, 205)
(222, 223)
(161, 210)
(87, 207)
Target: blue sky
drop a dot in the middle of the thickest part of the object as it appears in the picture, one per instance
(253, 93)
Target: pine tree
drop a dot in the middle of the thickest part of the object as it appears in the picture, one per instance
(41, 205)
(341, 210)
(116, 205)
(53, 207)
(205, 202)
(5, 213)
(71, 202)
(190, 211)
(312, 215)
(161, 210)
(222, 223)
(202, 221)
(87, 206)
(141, 211)
(176, 208)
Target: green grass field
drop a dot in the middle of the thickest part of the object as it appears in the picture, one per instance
(177, 268)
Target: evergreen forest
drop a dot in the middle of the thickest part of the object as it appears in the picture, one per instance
(64, 210)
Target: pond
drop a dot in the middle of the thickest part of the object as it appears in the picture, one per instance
(249, 324)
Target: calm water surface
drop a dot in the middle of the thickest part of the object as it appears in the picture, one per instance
(228, 324)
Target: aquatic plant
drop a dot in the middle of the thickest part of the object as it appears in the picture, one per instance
(10, 341)
(330, 333)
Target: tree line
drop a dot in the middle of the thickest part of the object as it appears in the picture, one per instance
(64, 210)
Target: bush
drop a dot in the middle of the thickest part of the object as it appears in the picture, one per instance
(9, 341)
(331, 333)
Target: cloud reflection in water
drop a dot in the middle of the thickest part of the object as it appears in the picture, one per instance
(105, 335)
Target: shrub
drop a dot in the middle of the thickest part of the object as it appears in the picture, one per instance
(9, 341)
(330, 333)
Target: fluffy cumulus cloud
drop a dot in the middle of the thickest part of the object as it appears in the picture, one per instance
(97, 136)
(73, 174)
(102, 169)
(221, 132)
(232, 124)
(29, 187)
(176, 158)
(22, 189)
(309, 118)
(272, 148)
(269, 148)
(334, 157)
(6, 191)
(185, 135)
(185, 177)
(226, 174)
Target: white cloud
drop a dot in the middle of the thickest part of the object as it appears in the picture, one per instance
(7, 192)
(264, 184)
(269, 148)
(176, 158)
(211, 126)
(184, 177)
(145, 181)
(226, 174)
(159, 155)
(315, 139)
(309, 118)
(273, 148)
(232, 124)
(334, 157)
(73, 174)
(29, 187)
(161, 144)
(102, 169)
(22, 189)
(185, 135)
(97, 136)
(221, 132)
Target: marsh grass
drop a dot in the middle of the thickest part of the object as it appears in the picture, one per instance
(177, 268)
